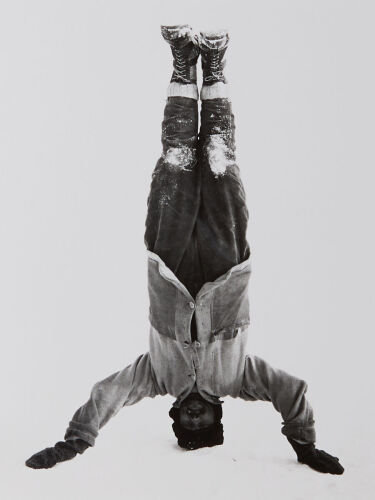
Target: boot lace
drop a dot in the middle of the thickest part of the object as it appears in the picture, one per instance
(216, 70)
(180, 67)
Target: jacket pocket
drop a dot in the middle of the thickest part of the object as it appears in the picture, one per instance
(228, 333)
(230, 304)
(228, 365)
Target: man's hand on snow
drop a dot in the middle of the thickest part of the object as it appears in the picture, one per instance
(318, 460)
(62, 451)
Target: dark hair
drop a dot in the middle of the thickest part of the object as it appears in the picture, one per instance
(192, 440)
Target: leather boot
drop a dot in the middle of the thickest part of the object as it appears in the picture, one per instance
(185, 52)
(213, 46)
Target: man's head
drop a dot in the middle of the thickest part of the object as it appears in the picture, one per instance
(197, 423)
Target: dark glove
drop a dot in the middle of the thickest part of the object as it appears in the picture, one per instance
(316, 459)
(63, 450)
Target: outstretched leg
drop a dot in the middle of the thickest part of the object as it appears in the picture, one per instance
(173, 201)
(223, 215)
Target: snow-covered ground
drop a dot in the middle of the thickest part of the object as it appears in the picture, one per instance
(82, 94)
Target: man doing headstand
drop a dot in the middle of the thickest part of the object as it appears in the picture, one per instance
(198, 276)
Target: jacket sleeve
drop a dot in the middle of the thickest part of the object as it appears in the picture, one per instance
(285, 392)
(123, 388)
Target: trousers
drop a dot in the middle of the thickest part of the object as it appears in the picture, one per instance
(197, 215)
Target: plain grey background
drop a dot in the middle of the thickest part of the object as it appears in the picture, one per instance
(82, 90)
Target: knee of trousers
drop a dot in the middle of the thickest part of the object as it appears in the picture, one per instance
(180, 157)
(218, 152)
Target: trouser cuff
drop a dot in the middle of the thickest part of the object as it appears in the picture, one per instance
(218, 90)
(176, 89)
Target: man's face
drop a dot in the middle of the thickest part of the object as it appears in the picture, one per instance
(196, 413)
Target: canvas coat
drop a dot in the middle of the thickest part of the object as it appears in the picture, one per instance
(216, 364)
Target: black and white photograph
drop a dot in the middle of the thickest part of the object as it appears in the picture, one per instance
(187, 249)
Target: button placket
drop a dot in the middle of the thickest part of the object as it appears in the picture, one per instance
(196, 345)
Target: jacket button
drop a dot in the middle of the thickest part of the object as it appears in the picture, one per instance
(192, 305)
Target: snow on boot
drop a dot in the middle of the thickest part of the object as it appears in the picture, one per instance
(213, 45)
(185, 52)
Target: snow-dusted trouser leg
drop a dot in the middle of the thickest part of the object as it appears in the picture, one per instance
(223, 215)
(173, 201)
